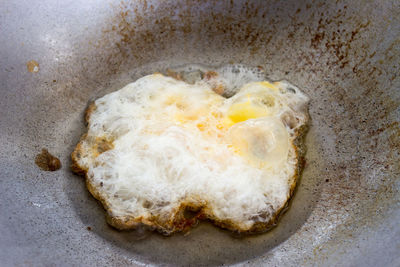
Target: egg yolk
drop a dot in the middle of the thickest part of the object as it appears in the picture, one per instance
(261, 141)
(244, 111)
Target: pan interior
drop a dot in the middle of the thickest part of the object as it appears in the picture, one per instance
(220, 246)
(344, 55)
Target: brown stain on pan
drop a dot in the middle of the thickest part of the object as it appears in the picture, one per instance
(336, 38)
(133, 41)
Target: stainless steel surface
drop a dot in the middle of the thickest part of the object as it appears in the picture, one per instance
(345, 55)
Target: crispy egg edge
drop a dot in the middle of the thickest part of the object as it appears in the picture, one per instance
(178, 222)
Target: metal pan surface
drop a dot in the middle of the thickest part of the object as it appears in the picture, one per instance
(55, 56)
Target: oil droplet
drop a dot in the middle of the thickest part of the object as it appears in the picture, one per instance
(32, 66)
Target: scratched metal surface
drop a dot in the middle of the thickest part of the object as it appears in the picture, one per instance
(344, 55)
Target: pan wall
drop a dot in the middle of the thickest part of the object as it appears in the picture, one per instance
(345, 55)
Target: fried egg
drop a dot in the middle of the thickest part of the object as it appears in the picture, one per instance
(160, 147)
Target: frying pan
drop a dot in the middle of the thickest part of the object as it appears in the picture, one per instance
(344, 54)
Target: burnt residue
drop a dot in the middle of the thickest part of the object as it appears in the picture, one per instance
(141, 30)
(47, 162)
(335, 37)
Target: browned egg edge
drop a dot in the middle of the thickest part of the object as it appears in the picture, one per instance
(187, 215)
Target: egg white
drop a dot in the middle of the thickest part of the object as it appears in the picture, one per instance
(174, 143)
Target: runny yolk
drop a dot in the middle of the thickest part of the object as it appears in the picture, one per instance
(243, 111)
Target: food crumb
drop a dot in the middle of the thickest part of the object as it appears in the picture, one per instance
(32, 66)
(46, 161)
